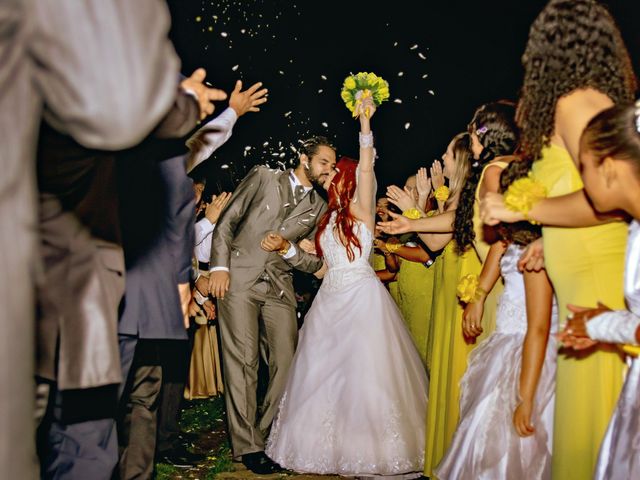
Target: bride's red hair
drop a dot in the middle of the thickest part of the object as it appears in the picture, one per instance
(341, 192)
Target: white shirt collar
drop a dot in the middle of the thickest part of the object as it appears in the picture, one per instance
(294, 181)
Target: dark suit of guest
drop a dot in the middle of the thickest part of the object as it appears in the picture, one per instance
(157, 207)
(70, 62)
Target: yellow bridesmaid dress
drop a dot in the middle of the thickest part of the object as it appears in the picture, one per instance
(448, 356)
(585, 265)
(415, 292)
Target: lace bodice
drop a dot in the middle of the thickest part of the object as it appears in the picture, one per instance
(511, 316)
(341, 272)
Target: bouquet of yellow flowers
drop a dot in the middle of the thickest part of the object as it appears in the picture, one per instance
(362, 85)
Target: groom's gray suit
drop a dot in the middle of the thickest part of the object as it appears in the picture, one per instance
(260, 289)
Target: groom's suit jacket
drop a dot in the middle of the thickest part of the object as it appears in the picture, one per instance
(263, 203)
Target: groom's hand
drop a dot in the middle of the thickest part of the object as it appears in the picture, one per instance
(219, 283)
(274, 242)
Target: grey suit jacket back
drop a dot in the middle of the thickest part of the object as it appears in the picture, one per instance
(263, 203)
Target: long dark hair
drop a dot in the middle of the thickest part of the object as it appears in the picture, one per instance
(341, 191)
(494, 124)
(572, 44)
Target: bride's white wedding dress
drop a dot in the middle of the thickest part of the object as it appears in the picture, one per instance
(356, 397)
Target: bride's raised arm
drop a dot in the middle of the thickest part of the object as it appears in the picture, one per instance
(366, 190)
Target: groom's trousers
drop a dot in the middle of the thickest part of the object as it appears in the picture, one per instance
(245, 317)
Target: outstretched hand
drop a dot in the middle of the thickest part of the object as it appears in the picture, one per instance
(205, 95)
(423, 183)
(214, 209)
(399, 224)
(249, 100)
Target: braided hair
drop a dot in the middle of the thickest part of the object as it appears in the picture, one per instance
(495, 127)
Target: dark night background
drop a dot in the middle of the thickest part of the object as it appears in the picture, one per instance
(472, 55)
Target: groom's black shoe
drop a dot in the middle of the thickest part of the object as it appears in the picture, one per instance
(260, 464)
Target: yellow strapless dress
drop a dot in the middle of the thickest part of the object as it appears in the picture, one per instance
(585, 265)
(448, 358)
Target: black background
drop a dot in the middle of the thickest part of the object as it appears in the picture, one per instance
(472, 55)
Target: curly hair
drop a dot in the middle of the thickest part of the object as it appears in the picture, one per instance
(495, 126)
(521, 233)
(572, 44)
(341, 191)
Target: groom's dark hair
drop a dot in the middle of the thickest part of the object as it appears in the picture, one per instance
(309, 147)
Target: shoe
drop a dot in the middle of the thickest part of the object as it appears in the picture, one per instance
(180, 458)
(260, 464)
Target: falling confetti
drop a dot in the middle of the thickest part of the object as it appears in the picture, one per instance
(422, 56)
(235, 67)
(224, 34)
(431, 92)
(400, 74)
(325, 124)
(287, 114)
(407, 125)
(414, 47)
(425, 75)
(323, 77)
(397, 100)
(224, 166)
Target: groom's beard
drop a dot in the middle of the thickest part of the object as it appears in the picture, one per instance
(316, 180)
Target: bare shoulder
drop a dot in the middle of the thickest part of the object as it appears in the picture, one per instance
(580, 106)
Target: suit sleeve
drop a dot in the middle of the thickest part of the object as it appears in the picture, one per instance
(234, 212)
(106, 69)
(180, 216)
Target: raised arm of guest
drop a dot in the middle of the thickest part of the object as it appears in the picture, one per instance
(216, 132)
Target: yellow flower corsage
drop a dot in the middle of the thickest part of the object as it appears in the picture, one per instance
(523, 194)
(412, 213)
(442, 193)
(392, 247)
(362, 85)
(469, 290)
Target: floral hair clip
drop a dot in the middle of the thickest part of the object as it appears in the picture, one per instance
(482, 130)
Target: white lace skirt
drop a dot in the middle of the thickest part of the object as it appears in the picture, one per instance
(356, 398)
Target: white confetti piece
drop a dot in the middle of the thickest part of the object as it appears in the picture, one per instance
(268, 208)
(224, 34)
(407, 125)
(325, 124)
(400, 74)
(280, 72)
(413, 47)
(422, 56)
(287, 114)
(323, 77)
(395, 44)
(320, 91)
(265, 144)
(224, 167)
(247, 148)
(431, 92)
(397, 100)
(235, 67)
(425, 75)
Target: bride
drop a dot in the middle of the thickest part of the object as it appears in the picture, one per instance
(356, 396)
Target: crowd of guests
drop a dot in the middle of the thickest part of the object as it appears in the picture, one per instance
(506, 259)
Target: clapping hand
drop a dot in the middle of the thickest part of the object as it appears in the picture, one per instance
(214, 209)
(401, 198)
(423, 183)
(249, 100)
(437, 175)
(205, 95)
(575, 333)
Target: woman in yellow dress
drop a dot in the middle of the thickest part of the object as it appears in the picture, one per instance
(576, 65)
(494, 134)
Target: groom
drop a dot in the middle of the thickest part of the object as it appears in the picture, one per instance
(254, 287)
